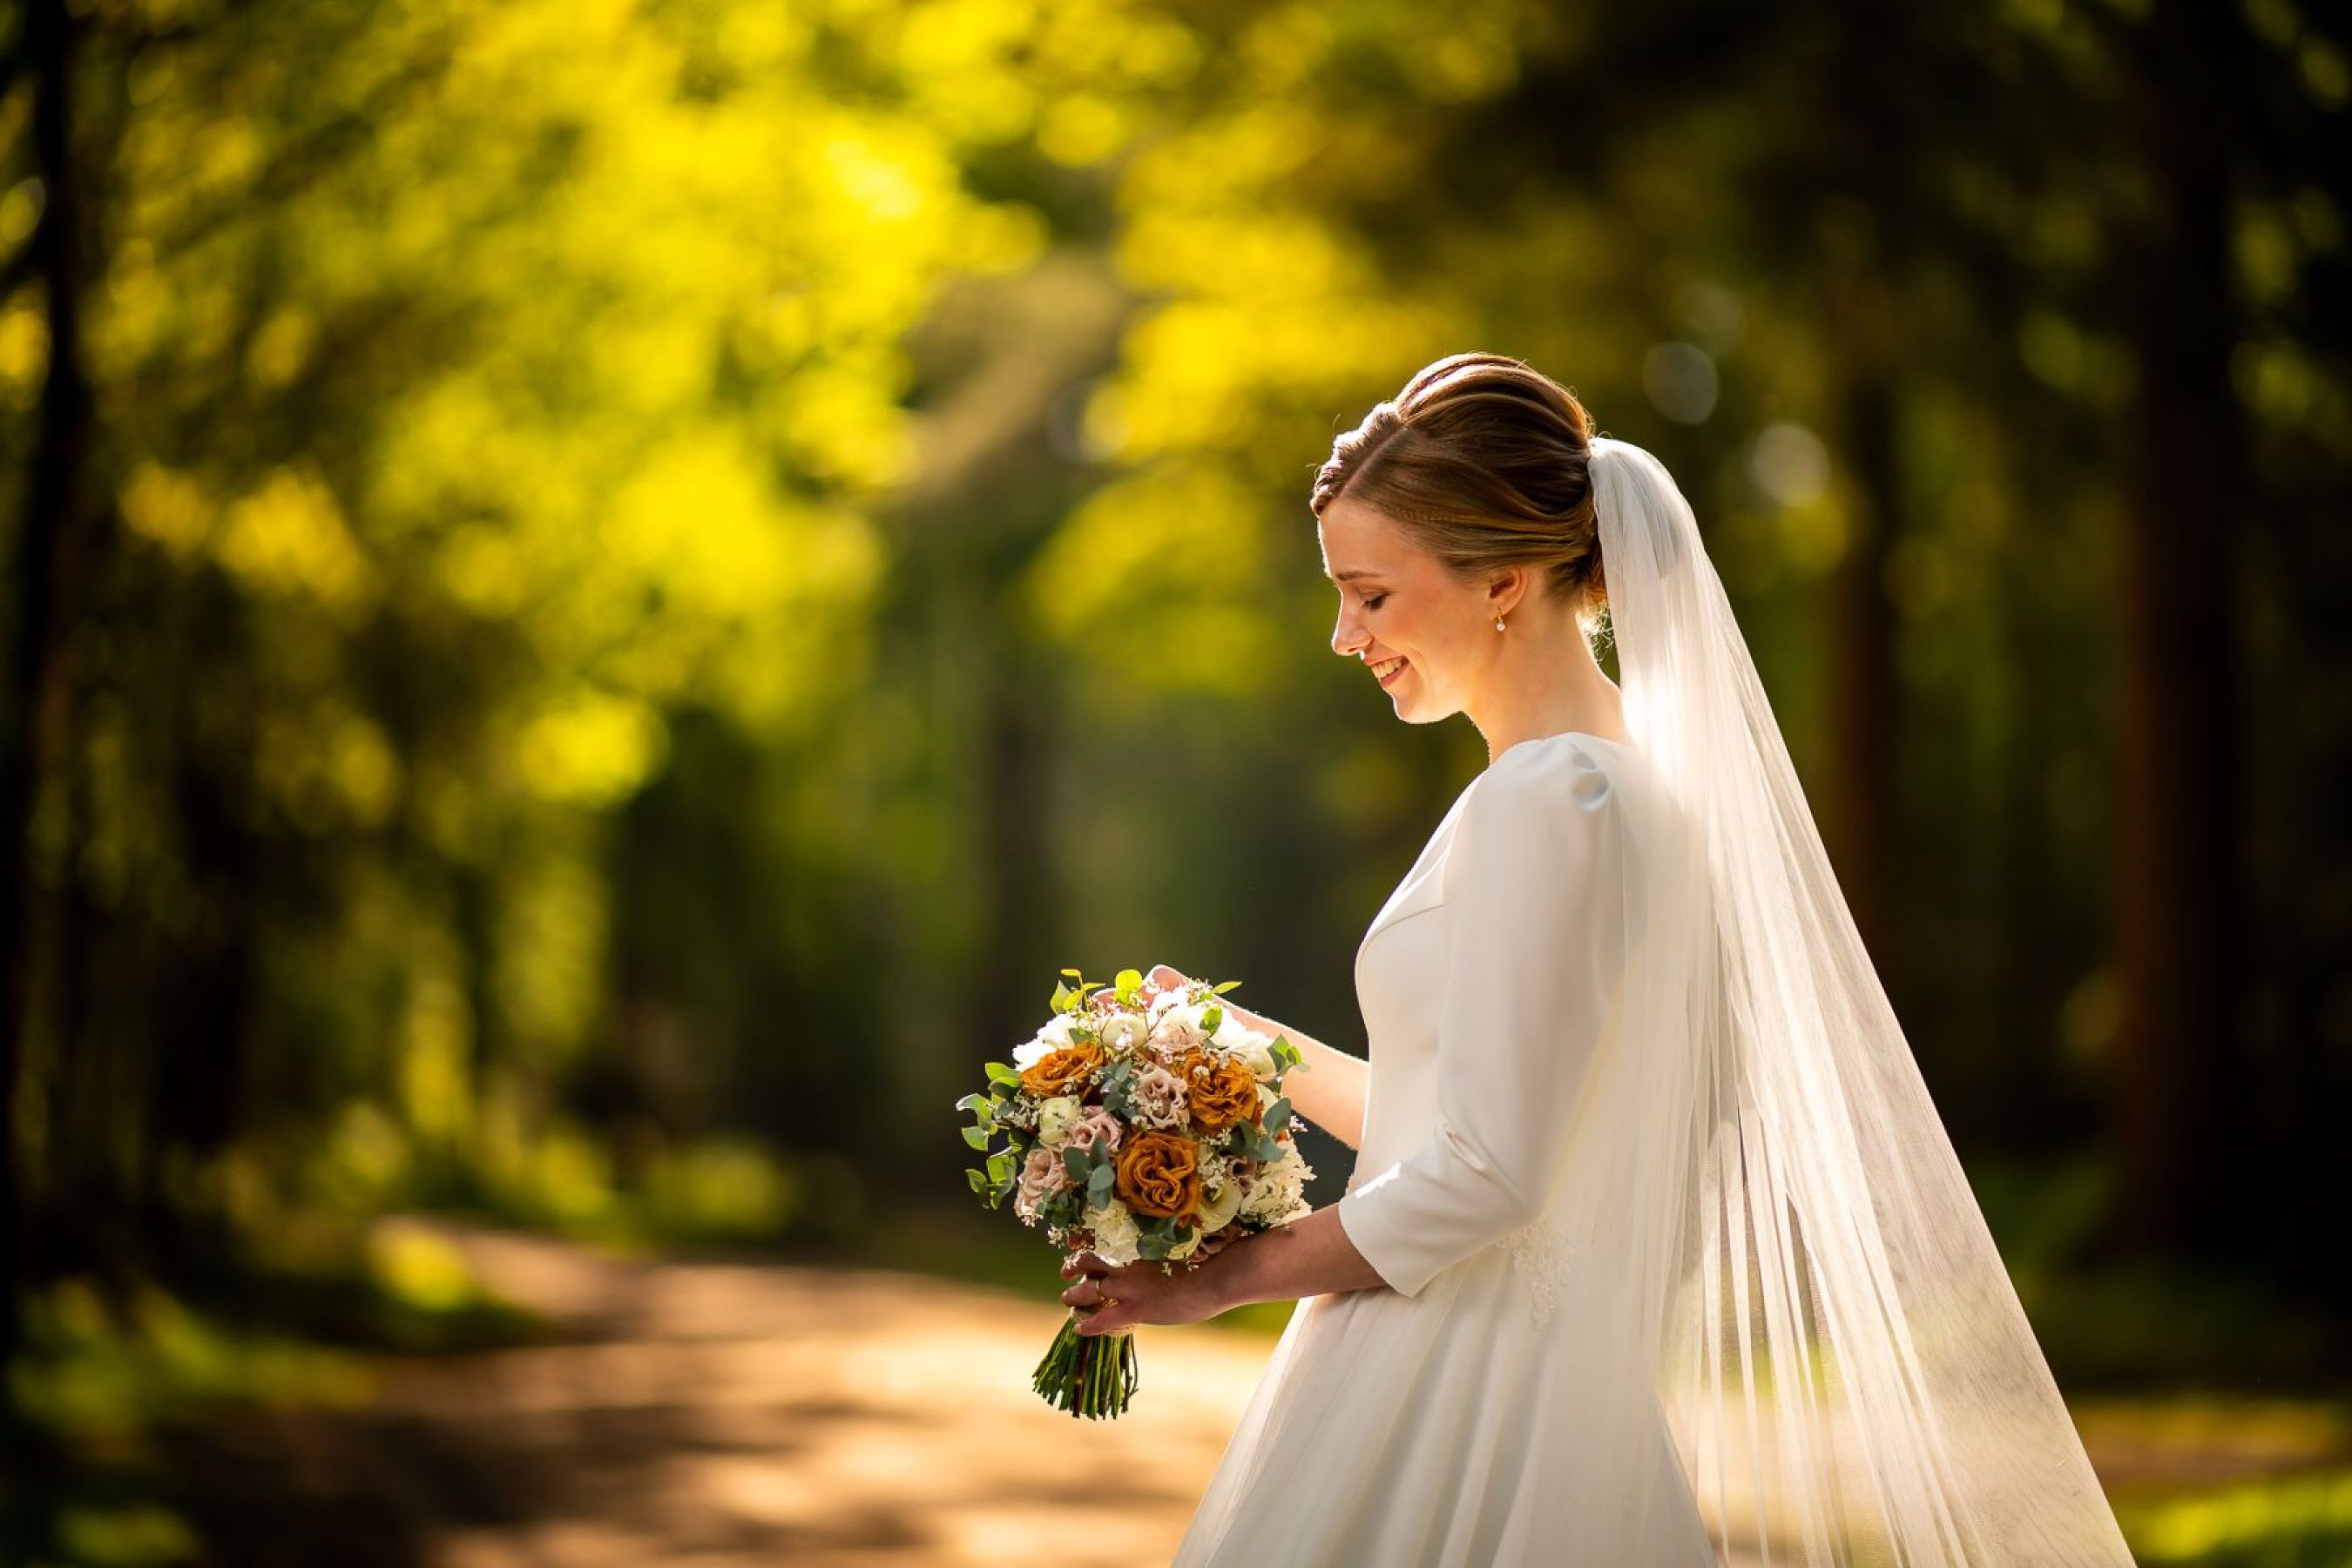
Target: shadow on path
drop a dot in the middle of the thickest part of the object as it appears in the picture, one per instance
(725, 1413)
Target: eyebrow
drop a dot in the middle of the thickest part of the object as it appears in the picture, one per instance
(1351, 571)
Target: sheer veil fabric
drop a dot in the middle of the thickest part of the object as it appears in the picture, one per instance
(1841, 1362)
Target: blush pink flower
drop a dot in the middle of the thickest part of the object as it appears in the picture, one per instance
(1157, 1100)
(1041, 1175)
(1098, 1129)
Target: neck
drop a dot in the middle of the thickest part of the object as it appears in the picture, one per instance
(1544, 680)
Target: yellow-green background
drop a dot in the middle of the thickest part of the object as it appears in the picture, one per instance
(601, 594)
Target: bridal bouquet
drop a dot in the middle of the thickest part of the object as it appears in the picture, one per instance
(1138, 1124)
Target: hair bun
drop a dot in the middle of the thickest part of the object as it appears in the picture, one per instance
(1485, 462)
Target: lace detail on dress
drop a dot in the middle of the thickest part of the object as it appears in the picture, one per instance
(1543, 1256)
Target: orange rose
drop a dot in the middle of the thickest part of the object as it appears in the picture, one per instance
(1062, 1072)
(1223, 1091)
(1159, 1174)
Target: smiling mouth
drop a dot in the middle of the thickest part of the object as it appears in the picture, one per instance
(1387, 671)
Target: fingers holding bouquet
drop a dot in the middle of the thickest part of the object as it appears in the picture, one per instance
(1093, 1292)
(1109, 1297)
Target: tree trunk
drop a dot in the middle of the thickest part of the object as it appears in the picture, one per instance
(1862, 737)
(50, 542)
(2182, 1098)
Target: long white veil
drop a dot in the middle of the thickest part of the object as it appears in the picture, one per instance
(1842, 1359)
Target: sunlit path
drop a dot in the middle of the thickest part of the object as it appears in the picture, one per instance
(751, 1413)
(718, 1414)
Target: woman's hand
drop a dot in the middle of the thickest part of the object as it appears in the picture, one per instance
(1118, 1296)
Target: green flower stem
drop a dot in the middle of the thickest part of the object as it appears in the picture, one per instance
(1094, 1375)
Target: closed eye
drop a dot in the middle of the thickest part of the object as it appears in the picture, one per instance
(1374, 602)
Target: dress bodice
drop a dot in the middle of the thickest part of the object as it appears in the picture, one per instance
(1489, 984)
(1399, 983)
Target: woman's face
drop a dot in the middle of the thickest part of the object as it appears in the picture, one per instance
(1403, 613)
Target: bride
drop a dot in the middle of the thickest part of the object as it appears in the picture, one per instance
(1656, 1251)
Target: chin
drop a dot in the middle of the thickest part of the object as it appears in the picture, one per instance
(1412, 706)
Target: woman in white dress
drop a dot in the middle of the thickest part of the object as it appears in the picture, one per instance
(1655, 1252)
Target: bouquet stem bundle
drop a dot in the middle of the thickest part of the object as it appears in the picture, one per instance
(1093, 1375)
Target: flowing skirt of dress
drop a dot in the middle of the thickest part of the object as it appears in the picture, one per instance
(1451, 1427)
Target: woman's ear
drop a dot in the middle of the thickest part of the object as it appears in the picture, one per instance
(1504, 593)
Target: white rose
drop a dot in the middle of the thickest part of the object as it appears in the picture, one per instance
(1185, 1248)
(1254, 1051)
(1224, 1202)
(1052, 1037)
(1115, 1237)
(1121, 1030)
(1054, 1119)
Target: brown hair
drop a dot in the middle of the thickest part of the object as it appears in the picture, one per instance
(1483, 460)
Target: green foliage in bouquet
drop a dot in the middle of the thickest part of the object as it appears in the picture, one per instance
(1004, 1166)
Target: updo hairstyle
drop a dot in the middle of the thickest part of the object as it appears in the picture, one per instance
(1483, 461)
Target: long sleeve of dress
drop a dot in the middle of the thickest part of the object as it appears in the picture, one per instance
(1534, 886)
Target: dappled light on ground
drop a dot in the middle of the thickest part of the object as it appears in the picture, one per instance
(717, 1413)
(725, 1412)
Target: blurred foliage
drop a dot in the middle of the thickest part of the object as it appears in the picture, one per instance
(111, 1379)
(598, 588)
(2301, 1522)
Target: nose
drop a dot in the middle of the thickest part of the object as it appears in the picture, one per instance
(1347, 638)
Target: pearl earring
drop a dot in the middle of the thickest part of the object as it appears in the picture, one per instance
(1498, 623)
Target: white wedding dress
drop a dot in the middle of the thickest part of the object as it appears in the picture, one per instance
(1680, 1264)
(1451, 1417)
